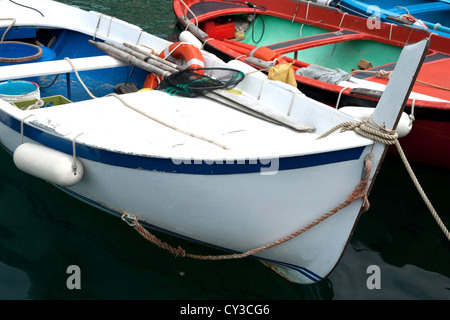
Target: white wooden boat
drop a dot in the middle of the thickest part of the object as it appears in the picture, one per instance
(195, 168)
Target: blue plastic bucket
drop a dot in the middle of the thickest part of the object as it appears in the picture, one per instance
(12, 91)
(47, 54)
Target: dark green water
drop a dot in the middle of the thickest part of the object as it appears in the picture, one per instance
(43, 231)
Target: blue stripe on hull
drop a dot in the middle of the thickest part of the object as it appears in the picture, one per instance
(168, 165)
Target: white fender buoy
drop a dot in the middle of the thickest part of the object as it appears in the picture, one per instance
(362, 113)
(48, 164)
(188, 37)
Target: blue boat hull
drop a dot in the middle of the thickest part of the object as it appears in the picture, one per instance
(434, 14)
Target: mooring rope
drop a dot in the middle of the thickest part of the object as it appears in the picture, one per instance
(359, 192)
(369, 129)
(421, 192)
(375, 132)
(8, 28)
(193, 14)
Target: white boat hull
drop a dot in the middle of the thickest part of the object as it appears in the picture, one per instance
(235, 212)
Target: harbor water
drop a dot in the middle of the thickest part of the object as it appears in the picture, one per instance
(397, 251)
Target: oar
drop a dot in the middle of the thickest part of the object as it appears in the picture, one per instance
(128, 58)
(238, 106)
(153, 56)
(255, 106)
(151, 59)
(193, 28)
(245, 104)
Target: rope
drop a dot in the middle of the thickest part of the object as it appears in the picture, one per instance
(8, 28)
(74, 153)
(21, 126)
(421, 192)
(369, 129)
(193, 14)
(375, 132)
(387, 74)
(38, 104)
(359, 192)
(342, 19)
(433, 85)
(404, 8)
(339, 96)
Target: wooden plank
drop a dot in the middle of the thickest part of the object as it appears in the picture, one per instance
(271, 113)
(128, 58)
(391, 104)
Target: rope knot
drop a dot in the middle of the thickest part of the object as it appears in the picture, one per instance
(383, 74)
(368, 129)
(179, 252)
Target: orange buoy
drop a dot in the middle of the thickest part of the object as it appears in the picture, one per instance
(266, 54)
(176, 51)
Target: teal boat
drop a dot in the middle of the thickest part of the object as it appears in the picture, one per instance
(338, 58)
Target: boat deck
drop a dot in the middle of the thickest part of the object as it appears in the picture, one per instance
(149, 121)
(108, 123)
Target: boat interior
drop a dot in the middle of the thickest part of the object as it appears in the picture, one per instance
(315, 45)
(336, 42)
(52, 73)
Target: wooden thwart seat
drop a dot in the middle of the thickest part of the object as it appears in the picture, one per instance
(36, 69)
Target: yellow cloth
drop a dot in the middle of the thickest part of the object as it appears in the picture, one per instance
(283, 72)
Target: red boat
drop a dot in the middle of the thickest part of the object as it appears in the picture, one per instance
(350, 52)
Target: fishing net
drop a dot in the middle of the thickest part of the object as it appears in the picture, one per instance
(195, 82)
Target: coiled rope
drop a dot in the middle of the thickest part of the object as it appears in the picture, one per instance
(368, 129)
